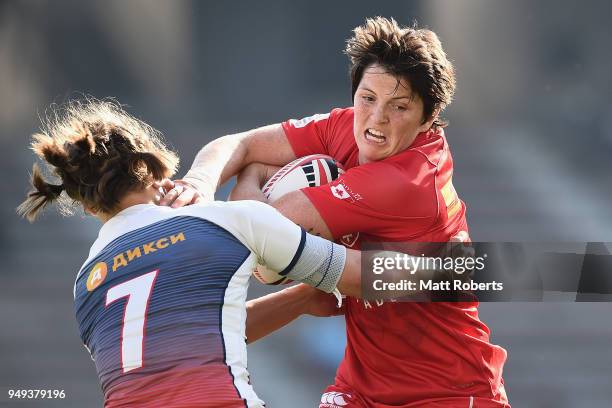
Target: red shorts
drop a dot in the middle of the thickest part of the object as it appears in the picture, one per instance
(336, 396)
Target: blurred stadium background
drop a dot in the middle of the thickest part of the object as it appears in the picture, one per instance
(529, 132)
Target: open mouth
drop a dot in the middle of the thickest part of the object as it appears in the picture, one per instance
(375, 136)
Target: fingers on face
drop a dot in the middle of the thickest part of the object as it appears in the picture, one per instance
(184, 198)
(171, 195)
(166, 184)
(178, 194)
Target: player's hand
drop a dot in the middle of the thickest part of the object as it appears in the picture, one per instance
(460, 246)
(250, 181)
(320, 304)
(179, 193)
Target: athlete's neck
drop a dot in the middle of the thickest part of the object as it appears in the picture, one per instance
(149, 195)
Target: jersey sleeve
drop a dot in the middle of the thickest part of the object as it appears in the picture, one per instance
(275, 240)
(382, 198)
(312, 134)
(283, 246)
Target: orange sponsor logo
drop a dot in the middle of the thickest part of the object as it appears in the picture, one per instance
(96, 276)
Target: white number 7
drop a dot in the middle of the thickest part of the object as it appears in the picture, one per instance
(138, 291)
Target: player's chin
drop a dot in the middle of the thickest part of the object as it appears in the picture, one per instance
(369, 154)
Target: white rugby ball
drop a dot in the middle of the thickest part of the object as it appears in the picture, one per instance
(309, 171)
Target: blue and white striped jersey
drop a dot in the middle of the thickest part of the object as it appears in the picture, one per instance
(160, 301)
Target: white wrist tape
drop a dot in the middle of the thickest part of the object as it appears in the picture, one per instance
(197, 179)
(318, 263)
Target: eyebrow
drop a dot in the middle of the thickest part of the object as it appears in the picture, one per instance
(409, 97)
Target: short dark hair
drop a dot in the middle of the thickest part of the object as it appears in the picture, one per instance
(100, 153)
(415, 55)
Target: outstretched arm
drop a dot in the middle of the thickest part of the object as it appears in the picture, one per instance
(226, 156)
(269, 313)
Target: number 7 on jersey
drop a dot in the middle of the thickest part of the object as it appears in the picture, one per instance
(138, 292)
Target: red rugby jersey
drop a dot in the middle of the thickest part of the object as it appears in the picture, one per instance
(400, 354)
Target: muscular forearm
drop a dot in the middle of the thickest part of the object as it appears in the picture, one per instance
(225, 157)
(271, 312)
(216, 162)
(350, 281)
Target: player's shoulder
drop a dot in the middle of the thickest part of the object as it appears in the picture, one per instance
(342, 118)
(335, 114)
(343, 113)
(431, 146)
(204, 210)
(231, 215)
(341, 139)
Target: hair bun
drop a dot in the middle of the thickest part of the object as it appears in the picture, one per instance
(80, 149)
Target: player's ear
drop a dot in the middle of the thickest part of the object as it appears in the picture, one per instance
(89, 211)
(425, 126)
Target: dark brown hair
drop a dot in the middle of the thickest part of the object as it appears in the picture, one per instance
(415, 55)
(99, 153)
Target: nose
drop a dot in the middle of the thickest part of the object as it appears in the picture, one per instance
(379, 114)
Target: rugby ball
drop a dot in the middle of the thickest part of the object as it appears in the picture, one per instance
(309, 171)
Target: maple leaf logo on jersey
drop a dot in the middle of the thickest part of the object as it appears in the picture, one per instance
(340, 192)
